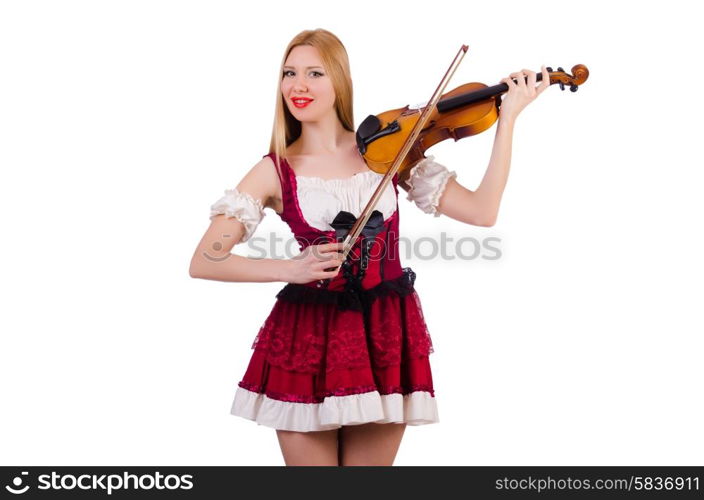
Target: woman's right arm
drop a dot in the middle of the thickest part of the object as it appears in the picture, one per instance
(212, 259)
(242, 209)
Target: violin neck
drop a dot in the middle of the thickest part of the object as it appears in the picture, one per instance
(458, 101)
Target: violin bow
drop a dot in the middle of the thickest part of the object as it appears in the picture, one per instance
(356, 230)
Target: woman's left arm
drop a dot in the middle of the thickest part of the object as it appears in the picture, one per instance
(481, 207)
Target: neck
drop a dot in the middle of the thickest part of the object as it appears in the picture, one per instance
(323, 137)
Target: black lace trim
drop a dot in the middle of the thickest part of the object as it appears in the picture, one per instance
(353, 297)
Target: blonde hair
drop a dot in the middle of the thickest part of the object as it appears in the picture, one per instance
(336, 64)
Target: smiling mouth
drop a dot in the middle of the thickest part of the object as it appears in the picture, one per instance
(301, 103)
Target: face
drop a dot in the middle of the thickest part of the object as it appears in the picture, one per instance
(305, 77)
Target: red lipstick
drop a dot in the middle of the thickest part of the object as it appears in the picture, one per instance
(301, 102)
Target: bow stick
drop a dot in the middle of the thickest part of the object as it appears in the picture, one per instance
(357, 228)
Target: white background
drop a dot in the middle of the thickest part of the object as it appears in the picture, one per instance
(121, 122)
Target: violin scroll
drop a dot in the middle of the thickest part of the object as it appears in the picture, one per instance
(579, 75)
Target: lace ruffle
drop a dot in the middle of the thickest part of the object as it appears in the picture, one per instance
(322, 199)
(243, 207)
(427, 181)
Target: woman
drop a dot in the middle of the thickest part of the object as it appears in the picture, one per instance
(340, 366)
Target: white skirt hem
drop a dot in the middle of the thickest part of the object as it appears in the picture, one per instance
(415, 408)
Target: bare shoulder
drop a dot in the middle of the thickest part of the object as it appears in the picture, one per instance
(262, 182)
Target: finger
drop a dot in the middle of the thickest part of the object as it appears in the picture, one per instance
(323, 276)
(330, 269)
(531, 78)
(329, 275)
(521, 78)
(324, 273)
(322, 265)
(333, 245)
(332, 259)
(545, 82)
(530, 84)
(327, 248)
(326, 264)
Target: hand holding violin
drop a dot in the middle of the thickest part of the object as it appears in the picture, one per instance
(521, 94)
(462, 112)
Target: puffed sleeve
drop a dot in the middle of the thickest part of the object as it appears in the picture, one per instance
(243, 207)
(427, 180)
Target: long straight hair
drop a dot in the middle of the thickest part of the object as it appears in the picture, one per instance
(336, 64)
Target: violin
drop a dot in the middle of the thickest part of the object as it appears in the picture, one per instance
(394, 141)
(466, 110)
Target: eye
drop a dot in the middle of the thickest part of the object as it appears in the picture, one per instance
(317, 73)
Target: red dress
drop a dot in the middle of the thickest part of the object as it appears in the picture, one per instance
(345, 352)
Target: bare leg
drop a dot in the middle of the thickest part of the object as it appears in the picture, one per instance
(309, 448)
(370, 444)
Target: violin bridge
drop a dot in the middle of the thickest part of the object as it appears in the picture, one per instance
(419, 106)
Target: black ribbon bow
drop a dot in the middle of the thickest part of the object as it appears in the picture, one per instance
(343, 222)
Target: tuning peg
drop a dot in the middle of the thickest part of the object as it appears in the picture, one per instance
(559, 68)
(549, 69)
(574, 87)
(562, 85)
